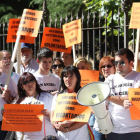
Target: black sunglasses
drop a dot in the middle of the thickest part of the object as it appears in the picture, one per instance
(59, 66)
(108, 66)
(122, 63)
(30, 81)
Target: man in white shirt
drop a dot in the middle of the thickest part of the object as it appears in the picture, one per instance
(124, 128)
(47, 81)
(27, 63)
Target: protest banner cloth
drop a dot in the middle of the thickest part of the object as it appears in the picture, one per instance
(12, 31)
(22, 117)
(134, 97)
(67, 108)
(53, 38)
(29, 23)
(72, 33)
(135, 24)
(88, 76)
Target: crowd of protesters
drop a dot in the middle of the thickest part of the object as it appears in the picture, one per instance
(41, 81)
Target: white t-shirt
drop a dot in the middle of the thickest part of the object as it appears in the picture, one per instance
(46, 99)
(49, 83)
(32, 67)
(120, 116)
(12, 87)
(15, 77)
(78, 134)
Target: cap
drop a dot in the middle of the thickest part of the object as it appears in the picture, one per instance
(25, 45)
(1, 56)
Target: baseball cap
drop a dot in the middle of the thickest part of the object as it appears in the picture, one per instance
(26, 45)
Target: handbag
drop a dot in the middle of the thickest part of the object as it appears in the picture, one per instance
(10, 135)
(91, 136)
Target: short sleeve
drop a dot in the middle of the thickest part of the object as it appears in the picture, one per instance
(54, 102)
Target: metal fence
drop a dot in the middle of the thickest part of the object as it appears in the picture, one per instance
(96, 40)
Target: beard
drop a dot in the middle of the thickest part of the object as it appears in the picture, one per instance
(24, 59)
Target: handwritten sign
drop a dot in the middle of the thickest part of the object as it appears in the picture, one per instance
(12, 31)
(24, 118)
(67, 108)
(134, 97)
(30, 22)
(88, 76)
(135, 16)
(72, 33)
(53, 38)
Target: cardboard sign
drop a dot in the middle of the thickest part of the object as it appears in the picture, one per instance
(72, 33)
(30, 22)
(135, 16)
(67, 108)
(134, 97)
(88, 76)
(53, 38)
(12, 31)
(21, 117)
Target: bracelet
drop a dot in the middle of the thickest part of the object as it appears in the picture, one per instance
(67, 129)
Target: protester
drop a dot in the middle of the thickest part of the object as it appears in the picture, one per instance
(67, 58)
(6, 95)
(69, 130)
(125, 77)
(29, 92)
(82, 63)
(47, 81)
(57, 66)
(28, 64)
(6, 65)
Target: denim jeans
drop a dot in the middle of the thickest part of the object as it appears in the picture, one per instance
(2, 133)
(98, 135)
(126, 136)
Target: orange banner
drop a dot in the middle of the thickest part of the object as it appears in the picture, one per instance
(134, 97)
(135, 16)
(70, 109)
(88, 76)
(23, 118)
(12, 30)
(53, 38)
(30, 22)
(72, 33)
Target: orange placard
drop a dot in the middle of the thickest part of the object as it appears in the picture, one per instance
(22, 117)
(135, 16)
(29, 23)
(134, 97)
(12, 30)
(53, 38)
(67, 108)
(72, 33)
(88, 76)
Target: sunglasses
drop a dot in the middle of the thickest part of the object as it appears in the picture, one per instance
(108, 66)
(122, 63)
(30, 81)
(60, 66)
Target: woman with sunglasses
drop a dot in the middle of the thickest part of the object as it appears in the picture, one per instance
(29, 92)
(69, 130)
(57, 66)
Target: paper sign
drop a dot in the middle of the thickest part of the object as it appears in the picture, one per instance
(12, 31)
(21, 117)
(53, 38)
(72, 33)
(30, 22)
(67, 108)
(134, 97)
(135, 16)
(88, 76)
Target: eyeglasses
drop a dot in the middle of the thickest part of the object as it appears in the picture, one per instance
(122, 63)
(60, 66)
(30, 81)
(108, 66)
(6, 58)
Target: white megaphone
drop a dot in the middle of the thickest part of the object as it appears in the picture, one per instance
(94, 95)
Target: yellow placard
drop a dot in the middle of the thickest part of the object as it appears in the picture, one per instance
(67, 108)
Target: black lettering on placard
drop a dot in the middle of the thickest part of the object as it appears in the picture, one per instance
(137, 93)
(29, 18)
(25, 29)
(70, 115)
(56, 40)
(55, 46)
(14, 37)
(135, 99)
(60, 32)
(69, 108)
(22, 37)
(14, 26)
(73, 39)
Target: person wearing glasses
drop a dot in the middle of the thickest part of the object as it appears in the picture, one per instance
(29, 92)
(57, 66)
(124, 127)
